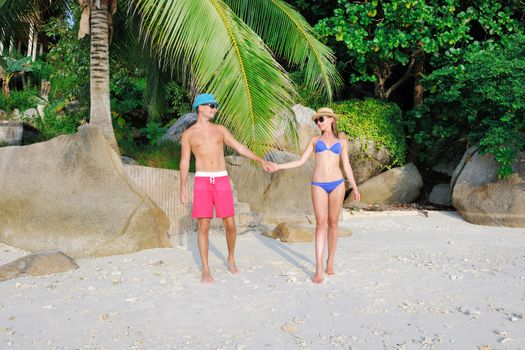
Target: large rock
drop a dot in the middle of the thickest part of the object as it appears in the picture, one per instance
(481, 198)
(175, 131)
(71, 194)
(163, 187)
(398, 185)
(293, 232)
(38, 264)
(304, 126)
(440, 195)
(16, 133)
(367, 159)
(281, 196)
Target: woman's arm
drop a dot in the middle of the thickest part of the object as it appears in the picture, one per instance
(297, 163)
(347, 168)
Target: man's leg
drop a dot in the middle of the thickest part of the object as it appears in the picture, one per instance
(203, 234)
(231, 235)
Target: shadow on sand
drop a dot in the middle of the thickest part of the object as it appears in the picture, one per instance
(283, 249)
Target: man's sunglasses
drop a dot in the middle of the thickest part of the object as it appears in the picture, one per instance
(212, 105)
(319, 120)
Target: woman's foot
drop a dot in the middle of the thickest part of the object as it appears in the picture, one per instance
(318, 278)
(329, 268)
(232, 266)
(206, 277)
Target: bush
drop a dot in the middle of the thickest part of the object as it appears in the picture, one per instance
(166, 155)
(21, 99)
(55, 122)
(374, 120)
(482, 101)
(178, 100)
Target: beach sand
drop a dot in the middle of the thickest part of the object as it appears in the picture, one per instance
(403, 281)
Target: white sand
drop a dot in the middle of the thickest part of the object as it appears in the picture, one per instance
(402, 282)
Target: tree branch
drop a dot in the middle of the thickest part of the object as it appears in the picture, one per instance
(401, 80)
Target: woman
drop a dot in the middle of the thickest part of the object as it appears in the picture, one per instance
(328, 189)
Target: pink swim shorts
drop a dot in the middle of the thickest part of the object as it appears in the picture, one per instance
(212, 189)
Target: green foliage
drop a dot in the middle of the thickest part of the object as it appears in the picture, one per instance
(68, 58)
(307, 97)
(127, 87)
(21, 99)
(382, 35)
(11, 67)
(42, 70)
(374, 120)
(178, 100)
(15, 65)
(123, 131)
(56, 122)
(153, 132)
(166, 155)
(482, 100)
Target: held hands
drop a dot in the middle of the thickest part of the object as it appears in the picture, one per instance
(269, 166)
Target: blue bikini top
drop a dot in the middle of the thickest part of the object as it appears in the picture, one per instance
(320, 146)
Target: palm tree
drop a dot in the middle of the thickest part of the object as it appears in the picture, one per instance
(215, 46)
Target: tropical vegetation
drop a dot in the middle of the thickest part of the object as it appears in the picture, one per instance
(420, 77)
(182, 45)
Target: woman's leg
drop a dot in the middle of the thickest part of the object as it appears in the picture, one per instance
(320, 203)
(335, 202)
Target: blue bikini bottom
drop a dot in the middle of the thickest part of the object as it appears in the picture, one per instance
(328, 186)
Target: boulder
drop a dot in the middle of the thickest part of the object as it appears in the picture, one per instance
(293, 232)
(71, 194)
(304, 126)
(30, 113)
(175, 131)
(367, 159)
(440, 195)
(17, 133)
(484, 199)
(398, 185)
(37, 264)
(279, 196)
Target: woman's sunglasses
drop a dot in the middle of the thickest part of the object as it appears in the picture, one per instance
(319, 120)
(212, 105)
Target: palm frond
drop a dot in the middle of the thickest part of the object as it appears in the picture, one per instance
(220, 54)
(288, 34)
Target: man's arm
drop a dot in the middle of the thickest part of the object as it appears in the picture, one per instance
(230, 141)
(185, 153)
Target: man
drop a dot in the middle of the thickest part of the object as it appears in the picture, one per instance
(211, 185)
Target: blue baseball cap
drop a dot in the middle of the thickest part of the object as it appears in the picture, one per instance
(203, 99)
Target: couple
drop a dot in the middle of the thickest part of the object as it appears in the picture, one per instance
(212, 186)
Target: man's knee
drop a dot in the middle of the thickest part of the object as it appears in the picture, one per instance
(203, 225)
(229, 224)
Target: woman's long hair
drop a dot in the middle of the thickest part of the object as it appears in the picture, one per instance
(335, 131)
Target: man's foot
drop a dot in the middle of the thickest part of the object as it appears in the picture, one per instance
(318, 278)
(206, 277)
(232, 266)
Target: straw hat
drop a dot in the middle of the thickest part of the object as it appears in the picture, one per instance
(325, 111)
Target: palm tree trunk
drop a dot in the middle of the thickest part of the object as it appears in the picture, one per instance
(100, 109)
